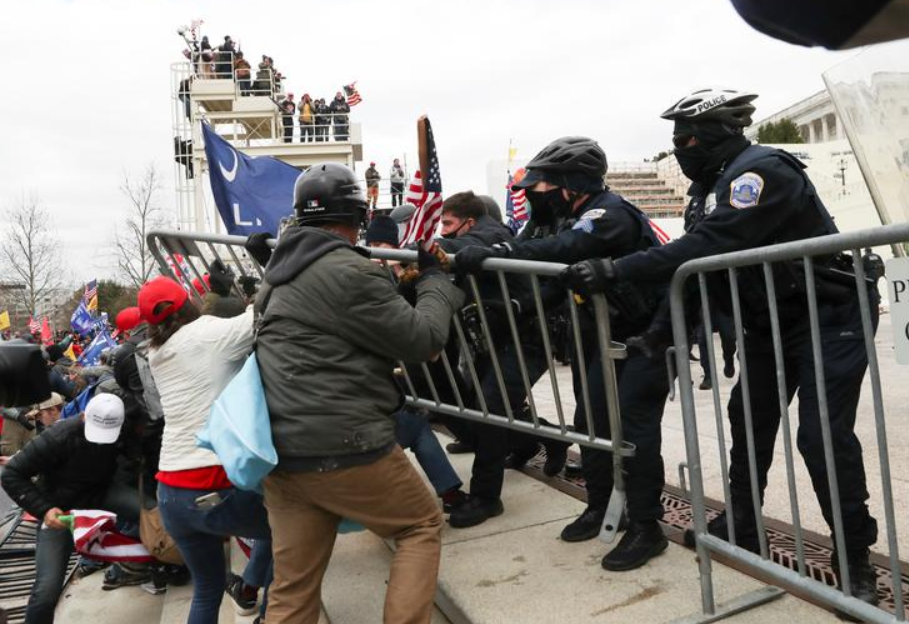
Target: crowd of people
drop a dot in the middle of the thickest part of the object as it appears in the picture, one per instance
(328, 326)
(316, 119)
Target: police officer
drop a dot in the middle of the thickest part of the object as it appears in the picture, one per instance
(575, 217)
(466, 223)
(752, 196)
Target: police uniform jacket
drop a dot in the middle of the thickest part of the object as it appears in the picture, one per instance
(762, 197)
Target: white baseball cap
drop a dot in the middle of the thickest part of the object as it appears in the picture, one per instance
(103, 418)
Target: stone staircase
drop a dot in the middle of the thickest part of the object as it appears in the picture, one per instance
(647, 191)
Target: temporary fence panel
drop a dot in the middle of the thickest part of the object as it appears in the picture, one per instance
(476, 343)
(764, 259)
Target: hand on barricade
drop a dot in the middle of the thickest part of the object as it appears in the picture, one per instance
(256, 246)
(221, 278)
(590, 276)
(428, 263)
(470, 259)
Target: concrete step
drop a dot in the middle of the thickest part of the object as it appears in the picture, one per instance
(83, 600)
(514, 568)
(353, 591)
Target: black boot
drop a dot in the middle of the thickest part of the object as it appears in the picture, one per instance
(586, 526)
(746, 535)
(556, 456)
(706, 383)
(516, 460)
(475, 511)
(642, 542)
(862, 580)
(457, 447)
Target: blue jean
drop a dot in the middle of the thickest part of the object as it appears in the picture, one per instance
(413, 431)
(199, 534)
(52, 551)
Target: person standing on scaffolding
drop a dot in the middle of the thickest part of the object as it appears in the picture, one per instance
(755, 196)
(288, 107)
(577, 217)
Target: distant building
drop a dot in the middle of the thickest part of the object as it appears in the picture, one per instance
(814, 116)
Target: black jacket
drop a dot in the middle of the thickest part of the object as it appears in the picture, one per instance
(71, 471)
(339, 108)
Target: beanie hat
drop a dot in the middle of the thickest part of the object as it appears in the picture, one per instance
(382, 229)
(157, 291)
(54, 352)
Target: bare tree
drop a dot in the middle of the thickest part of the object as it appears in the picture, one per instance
(31, 253)
(134, 259)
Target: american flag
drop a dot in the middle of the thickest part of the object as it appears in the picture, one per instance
(515, 206)
(427, 197)
(353, 96)
(34, 327)
(661, 235)
(90, 297)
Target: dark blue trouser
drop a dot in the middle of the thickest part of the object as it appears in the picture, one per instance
(413, 432)
(723, 325)
(643, 386)
(53, 548)
(845, 361)
(200, 534)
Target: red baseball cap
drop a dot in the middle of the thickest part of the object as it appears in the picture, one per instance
(128, 318)
(198, 286)
(157, 291)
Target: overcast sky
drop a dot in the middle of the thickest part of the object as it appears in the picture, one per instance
(87, 84)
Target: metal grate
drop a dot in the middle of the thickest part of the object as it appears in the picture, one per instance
(17, 564)
(677, 518)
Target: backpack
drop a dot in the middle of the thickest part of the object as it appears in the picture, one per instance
(149, 389)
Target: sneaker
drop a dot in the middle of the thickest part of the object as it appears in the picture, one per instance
(87, 567)
(245, 597)
(475, 511)
(452, 499)
(153, 588)
(862, 580)
(457, 447)
(642, 542)
(706, 384)
(556, 456)
(585, 527)
(125, 575)
(746, 535)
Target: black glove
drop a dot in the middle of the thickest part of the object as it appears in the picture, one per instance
(221, 278)
(255, 245)
(590, 276)
(470, 259)
(427, 263)
(652, 344)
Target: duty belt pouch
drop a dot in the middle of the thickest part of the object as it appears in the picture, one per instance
(629, 302)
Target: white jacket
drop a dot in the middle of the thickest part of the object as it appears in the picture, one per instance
(190, 370)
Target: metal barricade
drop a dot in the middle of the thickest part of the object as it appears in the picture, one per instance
(805, 251)
(440, 387)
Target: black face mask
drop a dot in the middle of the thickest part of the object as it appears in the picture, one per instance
(694, 161)
(547, 206)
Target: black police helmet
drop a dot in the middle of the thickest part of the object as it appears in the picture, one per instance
(571, 154)
(329, 193)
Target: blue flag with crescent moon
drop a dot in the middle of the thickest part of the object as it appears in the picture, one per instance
(252, 194)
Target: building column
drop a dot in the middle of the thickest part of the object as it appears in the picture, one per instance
(812, 133)
(834, 126)
(825, 129)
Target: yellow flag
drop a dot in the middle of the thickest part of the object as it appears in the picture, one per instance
(92, 303)
(4, 320)
(70, 353)
(512, 152)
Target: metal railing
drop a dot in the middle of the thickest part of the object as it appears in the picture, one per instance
(453, 384)
(763, 259)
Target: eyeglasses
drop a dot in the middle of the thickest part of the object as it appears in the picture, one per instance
(681, 140)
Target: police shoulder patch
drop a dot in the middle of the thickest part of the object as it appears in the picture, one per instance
(745, 190)
(585, 221)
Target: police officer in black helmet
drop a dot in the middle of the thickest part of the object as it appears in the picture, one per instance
(574, 216)
(751, 196)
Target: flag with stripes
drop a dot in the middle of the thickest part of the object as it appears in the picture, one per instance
(34, 327)
(425, 190)
(660, 233)
(515, 205)
(353, 96)
(96, 536)
(90, 296)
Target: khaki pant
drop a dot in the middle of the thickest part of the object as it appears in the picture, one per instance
(389, 498)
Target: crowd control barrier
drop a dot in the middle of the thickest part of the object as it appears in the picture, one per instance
(809, 254)
(452, 384)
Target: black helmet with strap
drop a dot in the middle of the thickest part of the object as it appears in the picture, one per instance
(574, 162)
(329, 193)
